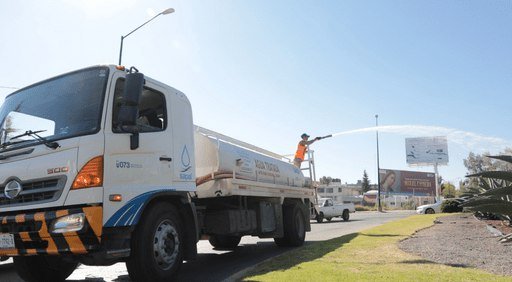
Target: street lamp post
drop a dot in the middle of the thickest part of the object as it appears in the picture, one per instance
(165, 12)
(379, 206)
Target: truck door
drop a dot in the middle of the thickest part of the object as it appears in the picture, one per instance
(133, 172)
(332, 208)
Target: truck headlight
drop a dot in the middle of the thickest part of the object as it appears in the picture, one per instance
(68, 223)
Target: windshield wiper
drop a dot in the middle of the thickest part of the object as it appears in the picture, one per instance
(34, 134)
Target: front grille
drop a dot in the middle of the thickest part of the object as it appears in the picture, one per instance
(40, 184)
(35, 191)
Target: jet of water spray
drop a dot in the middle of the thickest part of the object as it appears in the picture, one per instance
(470, 140)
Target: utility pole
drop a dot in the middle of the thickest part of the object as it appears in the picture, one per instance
(379, 206)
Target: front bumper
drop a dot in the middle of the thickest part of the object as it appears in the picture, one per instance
(32, 236)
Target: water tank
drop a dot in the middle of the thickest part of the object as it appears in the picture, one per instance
(214, 154)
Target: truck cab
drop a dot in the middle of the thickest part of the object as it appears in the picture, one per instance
(74, 180)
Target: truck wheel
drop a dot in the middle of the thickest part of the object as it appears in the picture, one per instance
(224, 242)
(156, 245)
(294, 227)
(345, 215)
(43, 268)
(320, 217)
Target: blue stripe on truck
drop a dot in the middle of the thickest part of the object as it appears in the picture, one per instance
(130, 213)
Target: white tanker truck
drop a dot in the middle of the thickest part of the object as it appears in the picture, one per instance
(103, 165)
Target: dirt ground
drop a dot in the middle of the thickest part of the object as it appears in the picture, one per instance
(463, 241)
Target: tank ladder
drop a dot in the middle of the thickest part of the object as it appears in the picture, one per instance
(310, 168)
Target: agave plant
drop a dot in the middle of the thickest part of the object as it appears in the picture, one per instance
(494, 194)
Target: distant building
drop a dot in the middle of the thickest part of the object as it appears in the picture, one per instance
(341, 193)
(395, 200)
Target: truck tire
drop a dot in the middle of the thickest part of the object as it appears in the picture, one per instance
(320, 217)
(224, 242)
(294, 227)
(156, 245)
(345, 215)
(43, 268)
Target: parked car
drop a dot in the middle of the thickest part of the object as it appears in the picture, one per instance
(430, 209)
(436, 207)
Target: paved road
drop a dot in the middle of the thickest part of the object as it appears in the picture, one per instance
(212, 265)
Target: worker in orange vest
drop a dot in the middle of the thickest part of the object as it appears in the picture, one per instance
(302, 148)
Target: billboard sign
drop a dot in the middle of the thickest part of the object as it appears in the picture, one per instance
(408, 182)
(426, 150)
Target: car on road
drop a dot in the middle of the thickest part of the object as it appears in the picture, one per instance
(327, 209)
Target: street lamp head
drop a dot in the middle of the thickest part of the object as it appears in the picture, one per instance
(168, 11)
(376, 116)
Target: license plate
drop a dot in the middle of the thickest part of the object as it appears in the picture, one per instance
(7, 241)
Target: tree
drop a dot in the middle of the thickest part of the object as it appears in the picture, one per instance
(463, 189)
(448, 190)
(366, 182)
(476, 163)
(325, 180)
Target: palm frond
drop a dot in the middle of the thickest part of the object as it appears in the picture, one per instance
(504, 158)
(502, 191)
(504, 175)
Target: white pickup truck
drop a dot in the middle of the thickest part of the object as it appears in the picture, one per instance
(326, 209)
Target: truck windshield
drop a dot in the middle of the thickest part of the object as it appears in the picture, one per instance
(66, 106)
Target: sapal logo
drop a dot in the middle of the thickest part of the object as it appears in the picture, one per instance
(185, 172)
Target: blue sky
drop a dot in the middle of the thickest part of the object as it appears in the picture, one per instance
(267, 71)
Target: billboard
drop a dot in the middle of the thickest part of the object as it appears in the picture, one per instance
(408, 182)
(426, 150)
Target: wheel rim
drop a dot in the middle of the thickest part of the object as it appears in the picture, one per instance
(166, 245)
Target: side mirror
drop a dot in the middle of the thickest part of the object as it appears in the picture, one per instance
(129, 106)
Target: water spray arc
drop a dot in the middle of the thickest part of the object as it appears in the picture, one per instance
(469, 140)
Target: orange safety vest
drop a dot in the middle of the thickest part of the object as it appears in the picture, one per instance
(301, 151)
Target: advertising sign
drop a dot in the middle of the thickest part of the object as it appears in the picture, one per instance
(409, 182)
(426, 150)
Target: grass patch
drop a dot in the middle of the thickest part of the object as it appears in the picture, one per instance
(371, 255)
